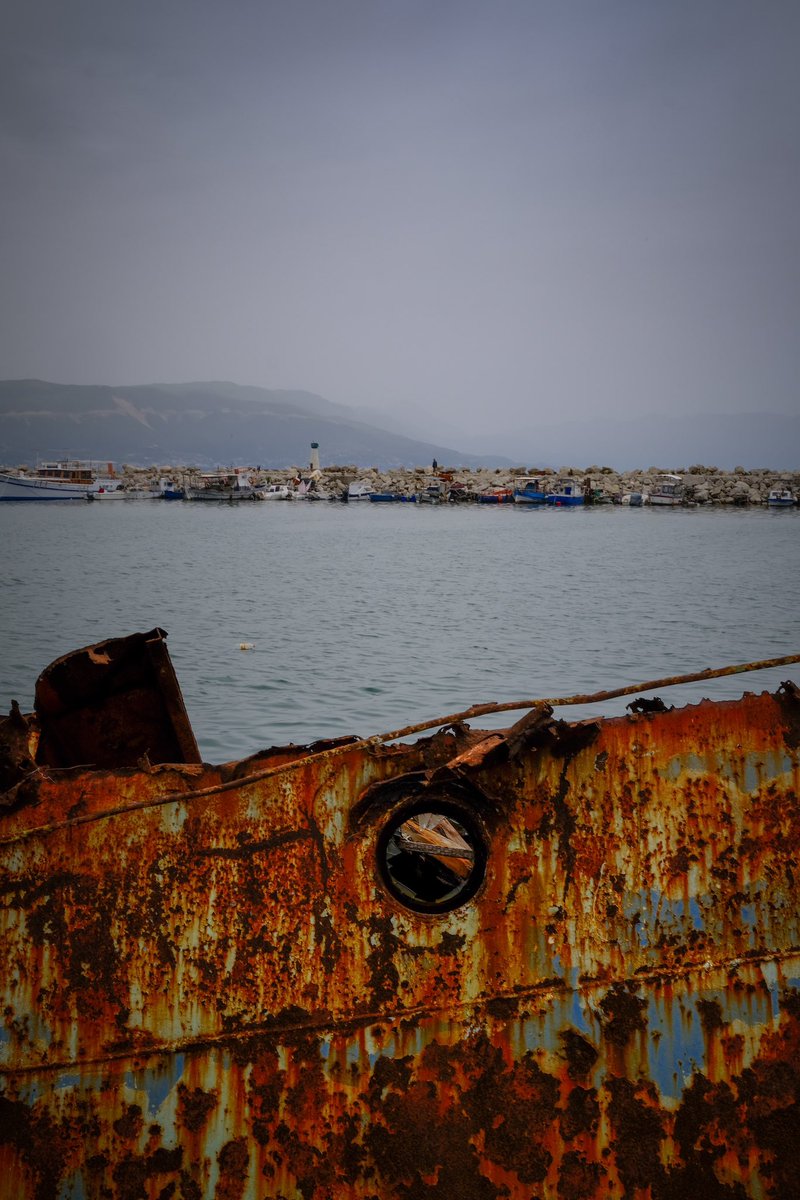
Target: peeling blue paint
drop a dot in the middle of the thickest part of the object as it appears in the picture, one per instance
(69, 1081)
(73, 1189)
(680, 766)
(679, 1049)
(696, 914)
(156, 1082)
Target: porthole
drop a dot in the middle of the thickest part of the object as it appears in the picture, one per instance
(432, 856)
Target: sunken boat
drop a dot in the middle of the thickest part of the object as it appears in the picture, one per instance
(559, 959)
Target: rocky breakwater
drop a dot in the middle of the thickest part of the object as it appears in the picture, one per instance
(701, 484)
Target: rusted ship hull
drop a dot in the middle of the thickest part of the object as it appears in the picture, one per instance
(229, 982)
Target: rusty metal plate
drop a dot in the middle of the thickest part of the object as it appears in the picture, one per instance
(249, 980)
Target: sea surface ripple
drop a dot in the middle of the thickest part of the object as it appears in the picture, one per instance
(365, 618)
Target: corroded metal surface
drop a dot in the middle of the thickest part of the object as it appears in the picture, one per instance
(212, 986)
(111, 704)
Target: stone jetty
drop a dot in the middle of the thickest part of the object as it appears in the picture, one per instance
(702, 484)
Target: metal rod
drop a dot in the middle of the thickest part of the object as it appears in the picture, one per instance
(482, 710)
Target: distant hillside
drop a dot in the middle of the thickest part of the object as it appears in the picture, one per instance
(203, 424)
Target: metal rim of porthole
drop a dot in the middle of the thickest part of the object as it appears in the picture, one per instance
(432, 855)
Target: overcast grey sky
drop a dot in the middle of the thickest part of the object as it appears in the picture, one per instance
(470, 210)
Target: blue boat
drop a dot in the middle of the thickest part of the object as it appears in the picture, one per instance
(170, 489)
(781, 497)
(530, 492)
(502, 495)
(567, 493)
(391, 498)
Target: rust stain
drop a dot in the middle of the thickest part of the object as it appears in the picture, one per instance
(235, 980)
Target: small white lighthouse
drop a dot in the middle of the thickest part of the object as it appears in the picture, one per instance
(314, 464)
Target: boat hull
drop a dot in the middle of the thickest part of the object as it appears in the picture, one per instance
(20, 488)
(240, 999)
(221, 496)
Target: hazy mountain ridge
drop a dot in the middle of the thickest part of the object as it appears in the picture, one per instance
(219, 423)
(205, 423)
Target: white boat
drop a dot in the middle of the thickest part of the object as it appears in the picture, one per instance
(781, 497)
(111, 487)
(229, 486)
(668, 490)
(276, 491)
(66, 479)
(106, 489)
(434, 493)
(358, 491)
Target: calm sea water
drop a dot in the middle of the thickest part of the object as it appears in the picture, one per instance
(365, 618)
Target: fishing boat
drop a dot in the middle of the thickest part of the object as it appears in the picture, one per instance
(434, 493)
(227, 486)
(498, 495)
(668, 490)
(106, 488)
(558, 959)
(565, 493)
(170, 489)
(65, 479)
(781, 497)
(113, 488)
(391, 498)
(529, 491)
(357, 491)
(276, 491)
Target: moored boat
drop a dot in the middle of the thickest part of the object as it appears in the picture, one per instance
(565, 493)
(170, 489)
(434, 493)
(667, 491)
(357, 491)
(276, 491)
(65, 479)
(106, 488)
(554, 959)
(114, 488)
(498, 495)
(227, 486)
(781, 497)
(530, 491)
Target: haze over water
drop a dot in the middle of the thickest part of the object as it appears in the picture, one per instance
(365, 618)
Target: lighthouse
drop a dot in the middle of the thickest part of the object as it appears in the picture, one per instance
(314, 464)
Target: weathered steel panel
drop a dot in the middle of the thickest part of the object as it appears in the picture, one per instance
(238, 981)
(111, 704)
